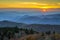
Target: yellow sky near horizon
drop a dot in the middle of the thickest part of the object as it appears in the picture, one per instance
(29, 5)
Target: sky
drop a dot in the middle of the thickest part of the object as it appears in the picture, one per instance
(29, 3)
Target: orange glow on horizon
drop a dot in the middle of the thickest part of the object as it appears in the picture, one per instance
(44, 10)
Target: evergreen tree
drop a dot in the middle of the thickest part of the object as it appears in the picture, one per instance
(48, 33)
(26, 31)
(42, 34)
(53, 32)
(31, 31)
(16, 29)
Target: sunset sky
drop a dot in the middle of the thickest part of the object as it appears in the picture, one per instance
(29, 3)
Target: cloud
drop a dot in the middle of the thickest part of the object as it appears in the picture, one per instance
(29, 3)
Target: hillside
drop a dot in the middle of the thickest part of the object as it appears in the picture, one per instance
(36, 27)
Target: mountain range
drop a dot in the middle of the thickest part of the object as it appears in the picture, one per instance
(42, 19)
(30, 17)
(36, 27)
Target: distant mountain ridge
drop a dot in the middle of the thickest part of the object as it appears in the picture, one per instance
(42, 19)
(6, 23)
(32, 19)
(37, 27)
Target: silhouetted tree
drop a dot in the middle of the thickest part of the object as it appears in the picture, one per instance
(16, 29)
(31, 31)
(53, 32)
(48, 33)
(26, 31)
(42, 34)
